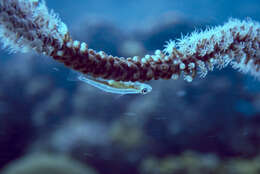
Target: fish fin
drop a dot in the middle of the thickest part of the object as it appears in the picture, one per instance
(73, 76)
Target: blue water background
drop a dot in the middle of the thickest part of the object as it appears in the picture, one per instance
(215, 120)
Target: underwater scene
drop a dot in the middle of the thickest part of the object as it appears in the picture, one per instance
(54, 121)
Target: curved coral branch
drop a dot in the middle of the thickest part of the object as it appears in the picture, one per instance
(236, 42)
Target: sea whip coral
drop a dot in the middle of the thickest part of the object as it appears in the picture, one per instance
(28, 25)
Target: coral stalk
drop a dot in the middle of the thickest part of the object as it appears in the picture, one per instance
(27, 25)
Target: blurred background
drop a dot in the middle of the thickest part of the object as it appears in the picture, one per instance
(49, 124)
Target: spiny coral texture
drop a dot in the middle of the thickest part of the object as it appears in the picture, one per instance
(27, 24)
(236, 42)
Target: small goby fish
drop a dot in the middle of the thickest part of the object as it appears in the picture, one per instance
(116, 87)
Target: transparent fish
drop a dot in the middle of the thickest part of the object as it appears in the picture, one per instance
(117, 87)
(112, 86)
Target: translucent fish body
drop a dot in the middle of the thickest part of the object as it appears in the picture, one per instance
(116, 87)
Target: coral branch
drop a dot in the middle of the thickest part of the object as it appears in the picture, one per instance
(27, 25)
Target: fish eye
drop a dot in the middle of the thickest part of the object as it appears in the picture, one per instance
(144, 91)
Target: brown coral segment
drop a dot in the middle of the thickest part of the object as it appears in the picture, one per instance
(236, 42)
(99, 64)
